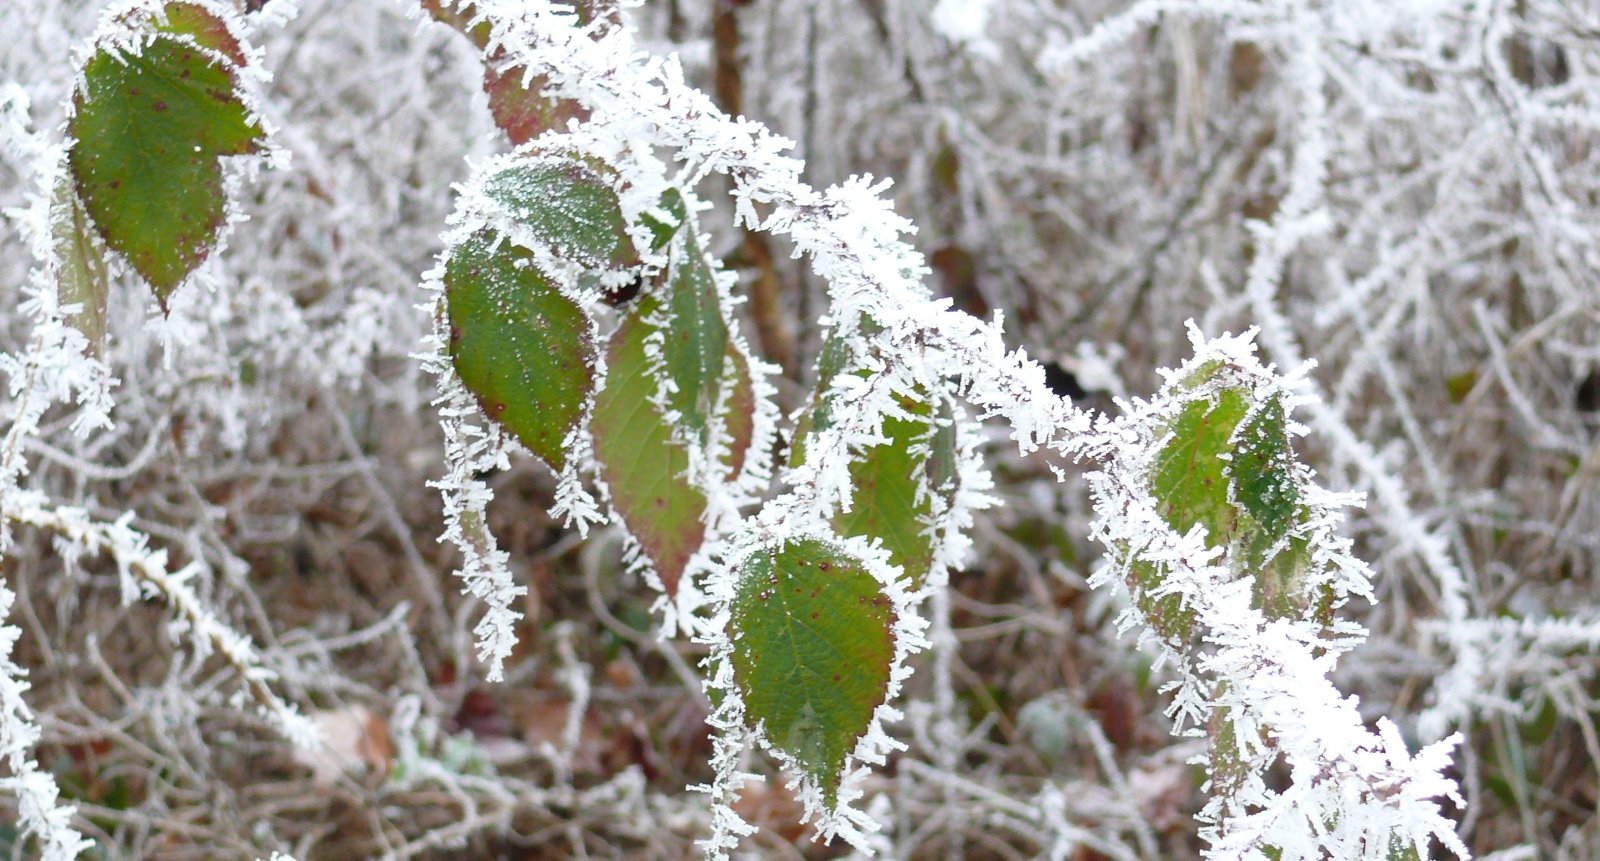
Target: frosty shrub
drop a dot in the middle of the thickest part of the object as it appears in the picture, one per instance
(797, 544)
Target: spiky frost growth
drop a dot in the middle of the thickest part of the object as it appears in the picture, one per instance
(472, 447)
(56, 367)
(144, 574)
(1249, 623)
(39, 814)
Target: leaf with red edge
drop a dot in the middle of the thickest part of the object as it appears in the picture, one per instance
(644, 467)
(148, 131)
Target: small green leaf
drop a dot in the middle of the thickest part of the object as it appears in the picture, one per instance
(661, 232)
(81, 277)
(741, 418)
(1458, 386)
(819, 415)
(813, 644)
(1262, 470)
(568, 206)
(522, 347)
(885, 481)
(944, 469)
(643, 466)
(696, 336)
(1189, 481)
(147, 132)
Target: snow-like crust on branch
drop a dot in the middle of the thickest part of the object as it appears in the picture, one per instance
(38, 812)
(144, 573)
(1355, 794)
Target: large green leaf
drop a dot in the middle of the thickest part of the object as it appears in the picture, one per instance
(813, 643)
(567, 206)
(696, 335)
(642, 464)
(1189, 480)
(520, 345)
(147, 132)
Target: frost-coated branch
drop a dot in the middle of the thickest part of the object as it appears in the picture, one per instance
(1259, 682)
(849, 231)
(144, 574)
(39, 813)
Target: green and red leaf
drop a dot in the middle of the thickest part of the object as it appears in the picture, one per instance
(643, 466)
(813, 649)
(148, 131)
(518, 343)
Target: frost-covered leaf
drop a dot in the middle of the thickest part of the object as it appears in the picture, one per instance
(524, 112)
(1231, 469)
(818, 416)
(892, 496)
(81, 277)
(148, 130)
(644, 467)
(1189, 480)
(696, 335)
(813, 645)
(567, 206)
(521, 346)
(741, 417)
(893, 484)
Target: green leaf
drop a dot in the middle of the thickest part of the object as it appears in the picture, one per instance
(696, 336)
(521, 346)
(819, 415)
(567, 206)
(643, 466)
(147, 132)
(661, 232)
(523, 111)
(813, 643)
(741, 418)
(885, 481)
(81, 274)
(1262, 470)
(944, 469)
(1188, 480)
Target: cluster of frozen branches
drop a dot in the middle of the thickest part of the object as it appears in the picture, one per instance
(1401, 191)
